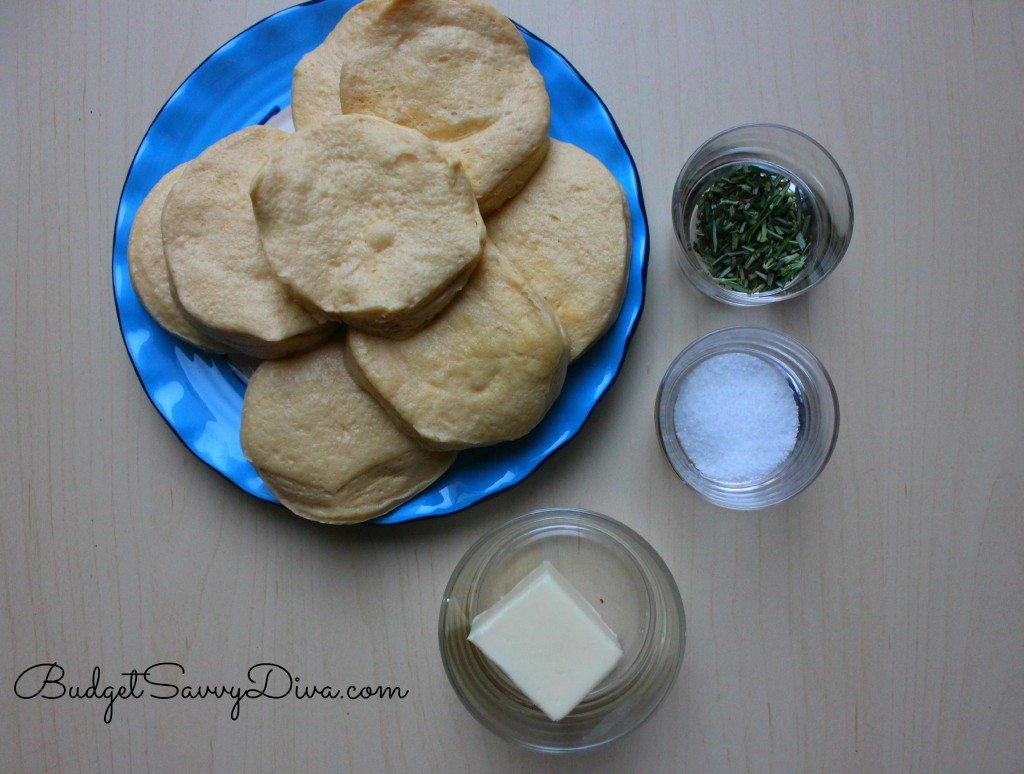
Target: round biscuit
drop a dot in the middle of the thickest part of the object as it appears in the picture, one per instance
(485, 370)
(324, 447)
(568, 232)
(367, 222)
(456, 70)
(147, 267)
(219, 270)
(315, 82)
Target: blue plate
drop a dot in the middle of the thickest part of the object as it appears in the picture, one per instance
(246, 81)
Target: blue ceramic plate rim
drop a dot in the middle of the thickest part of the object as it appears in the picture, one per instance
(199, 395)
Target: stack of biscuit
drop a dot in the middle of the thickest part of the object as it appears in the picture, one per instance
(416, 265)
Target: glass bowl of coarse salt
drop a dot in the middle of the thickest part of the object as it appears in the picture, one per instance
(747, 416)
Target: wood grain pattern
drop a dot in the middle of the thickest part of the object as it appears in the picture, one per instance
(873, 624)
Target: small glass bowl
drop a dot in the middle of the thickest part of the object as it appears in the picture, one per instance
(818, 413)
(624, 579)
(817, 177)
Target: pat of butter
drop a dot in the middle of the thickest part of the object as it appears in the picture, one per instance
(549, 640)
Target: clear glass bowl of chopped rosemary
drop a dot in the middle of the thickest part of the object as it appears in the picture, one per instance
(762, 213)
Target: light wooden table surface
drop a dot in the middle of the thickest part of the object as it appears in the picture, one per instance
(875, 623)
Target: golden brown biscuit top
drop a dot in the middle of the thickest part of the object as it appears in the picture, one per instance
(485, 370)
(365, 220)
(214, 254)
(148, 267)
(324, 446)
(456, 70)
(568, 231)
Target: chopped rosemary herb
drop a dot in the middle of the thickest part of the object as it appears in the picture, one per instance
(752, 230)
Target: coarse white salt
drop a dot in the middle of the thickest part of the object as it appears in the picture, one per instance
(736, 417)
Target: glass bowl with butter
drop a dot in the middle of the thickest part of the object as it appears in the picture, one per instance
(561, 630)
